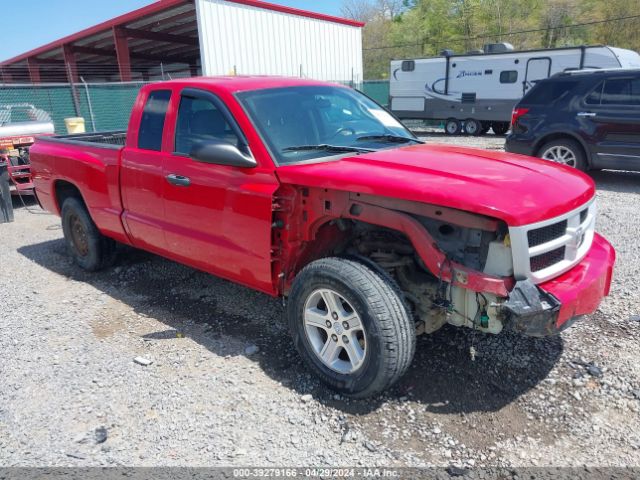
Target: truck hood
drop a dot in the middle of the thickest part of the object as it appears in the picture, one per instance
(516, 189)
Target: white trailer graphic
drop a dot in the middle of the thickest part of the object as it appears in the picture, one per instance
(478, 90)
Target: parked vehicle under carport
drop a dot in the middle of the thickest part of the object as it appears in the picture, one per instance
(19, 125)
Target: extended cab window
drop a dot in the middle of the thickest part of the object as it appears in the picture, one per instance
(621, 91)
(152, 123)
(199, 120)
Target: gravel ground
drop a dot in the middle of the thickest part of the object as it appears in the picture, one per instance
(226, 388)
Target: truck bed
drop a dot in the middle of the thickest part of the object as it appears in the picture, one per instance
(90, 162)
(113, 139)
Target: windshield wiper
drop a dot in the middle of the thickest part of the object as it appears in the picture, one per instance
(389, 138)
(328, 148)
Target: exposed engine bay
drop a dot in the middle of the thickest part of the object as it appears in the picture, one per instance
(434, 301)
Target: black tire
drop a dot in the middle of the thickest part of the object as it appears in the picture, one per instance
(389, 329)
(89, 248)
(472, 127)
(452, 126)
(500, 128)
(579, 161)
(6, 204)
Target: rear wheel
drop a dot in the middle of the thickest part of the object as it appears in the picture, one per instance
(452, 126)
(472, 126)
(89, 248)
(565, 151)
(500, 128)
(351, 326)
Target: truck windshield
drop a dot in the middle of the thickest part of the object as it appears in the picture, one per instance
(312, 122)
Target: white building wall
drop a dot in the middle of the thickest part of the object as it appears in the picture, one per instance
(248, 40)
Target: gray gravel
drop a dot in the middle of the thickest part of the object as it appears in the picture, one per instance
(152, 363)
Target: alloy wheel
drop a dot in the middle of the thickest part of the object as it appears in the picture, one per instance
(335, 331)
(560, 154)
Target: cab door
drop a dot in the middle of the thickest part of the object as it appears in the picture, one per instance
(141, 175)
(218, 217)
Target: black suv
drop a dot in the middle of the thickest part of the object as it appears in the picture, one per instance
(584, 119)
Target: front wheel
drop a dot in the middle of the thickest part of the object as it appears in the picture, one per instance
(351, 326)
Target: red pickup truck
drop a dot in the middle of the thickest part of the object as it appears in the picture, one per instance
(313, 192)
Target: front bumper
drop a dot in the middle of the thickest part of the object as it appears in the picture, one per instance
(551, 307)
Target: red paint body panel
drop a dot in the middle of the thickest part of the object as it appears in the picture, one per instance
(225, 223)
(95, 171)
(581, 289)
(514, 188)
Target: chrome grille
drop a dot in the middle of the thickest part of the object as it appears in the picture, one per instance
(545, 260)
(546, 234)
(544, 250)
(583, 215)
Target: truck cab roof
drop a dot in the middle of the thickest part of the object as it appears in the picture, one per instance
(237, 83)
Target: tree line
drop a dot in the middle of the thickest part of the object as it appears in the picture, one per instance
(421, 28)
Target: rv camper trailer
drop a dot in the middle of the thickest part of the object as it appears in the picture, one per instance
(474, 92)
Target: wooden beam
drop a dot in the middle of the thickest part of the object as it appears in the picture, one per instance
(159, 36)
(191, 28)
(34, 69)
(167, 51)
(102, 52)
(105, 52)
(6, 76)
(70, 63)
(122, 52)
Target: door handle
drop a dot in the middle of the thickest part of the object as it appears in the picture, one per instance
(178, 180)
(586, 114)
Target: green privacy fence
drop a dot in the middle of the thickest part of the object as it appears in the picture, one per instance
(103, 106)
(56, 100)
(111, 105)
(106, 106)
(377, 89)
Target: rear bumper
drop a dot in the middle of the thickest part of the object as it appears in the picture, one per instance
(556, 304)
(519, 144)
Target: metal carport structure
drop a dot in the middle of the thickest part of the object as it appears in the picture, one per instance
(165, 38)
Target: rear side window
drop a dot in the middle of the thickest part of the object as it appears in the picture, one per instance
(595, 95)
(548, 92)
(509, 76)
(621, 91)
(152, 123)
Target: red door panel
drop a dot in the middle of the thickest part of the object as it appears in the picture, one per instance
(142, 182)
(218, 218)
(221, 222)
(141, 173)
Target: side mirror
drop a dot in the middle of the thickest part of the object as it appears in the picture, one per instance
(221, 153)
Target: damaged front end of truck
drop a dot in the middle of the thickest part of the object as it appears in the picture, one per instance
(452, 266)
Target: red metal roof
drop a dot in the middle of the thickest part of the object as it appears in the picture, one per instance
(159, 7)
